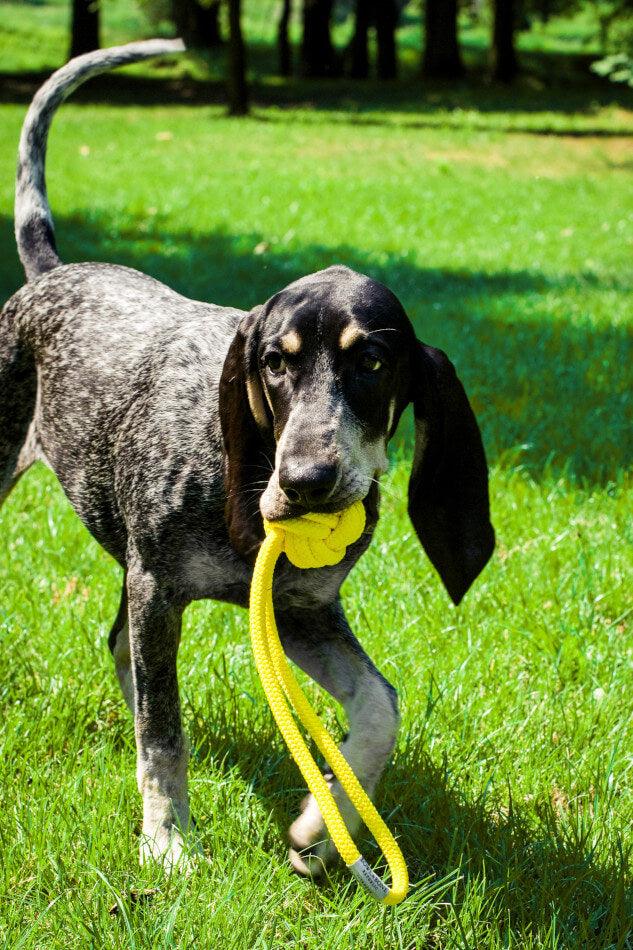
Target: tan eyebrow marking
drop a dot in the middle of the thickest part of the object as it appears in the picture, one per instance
(350, 335)
(255, 401)
(291, 342)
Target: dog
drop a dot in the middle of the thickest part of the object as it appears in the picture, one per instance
(174, 425)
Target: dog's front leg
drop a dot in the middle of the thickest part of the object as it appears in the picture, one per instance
(322, 644)
(162, 754)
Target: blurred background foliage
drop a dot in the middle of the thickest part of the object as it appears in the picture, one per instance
(287, 42)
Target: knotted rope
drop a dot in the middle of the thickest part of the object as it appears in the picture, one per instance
(316, 540)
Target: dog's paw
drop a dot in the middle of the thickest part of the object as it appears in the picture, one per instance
(313, 862)
(312, 850)
(172, 850)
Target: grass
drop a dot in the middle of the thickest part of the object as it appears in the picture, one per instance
(510, 790)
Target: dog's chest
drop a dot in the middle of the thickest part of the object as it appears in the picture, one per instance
(214, 575)
(222, 575)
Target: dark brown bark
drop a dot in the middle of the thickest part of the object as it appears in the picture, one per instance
(386, 22)
(236, 75)
(442, 59)
(502, 52)
(212, 26)
(383, 16)
(284, 50)
(198, 25)
(359, 68)
(84, 27)
(317, 52)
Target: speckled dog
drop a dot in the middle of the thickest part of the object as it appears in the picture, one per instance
(172, 426)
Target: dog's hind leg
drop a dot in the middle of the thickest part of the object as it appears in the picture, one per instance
(18, 394)
(119, 644)
(162, 751)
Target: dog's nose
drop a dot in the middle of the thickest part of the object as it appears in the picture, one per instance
(308, 485)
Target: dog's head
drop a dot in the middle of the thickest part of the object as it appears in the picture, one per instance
(312, 389)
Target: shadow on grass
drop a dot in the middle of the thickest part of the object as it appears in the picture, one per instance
(471, 103)
(551, 394)
(532, 870)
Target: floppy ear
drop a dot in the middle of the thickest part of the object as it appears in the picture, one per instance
(247, 434)
(448, 489)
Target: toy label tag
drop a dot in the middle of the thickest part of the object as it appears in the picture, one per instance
(369, 879)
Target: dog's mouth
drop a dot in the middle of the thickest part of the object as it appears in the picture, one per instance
(330, 507)
(276, 506)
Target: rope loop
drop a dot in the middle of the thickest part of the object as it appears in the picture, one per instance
(316, 540)
(319, 540)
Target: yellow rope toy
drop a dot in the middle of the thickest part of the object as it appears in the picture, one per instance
(316, 540)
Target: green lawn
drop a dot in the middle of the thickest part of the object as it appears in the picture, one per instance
(510, 791)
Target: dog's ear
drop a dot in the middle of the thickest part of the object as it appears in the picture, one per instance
(448, 489)
(247, 433)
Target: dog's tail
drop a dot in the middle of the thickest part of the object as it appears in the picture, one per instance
(33, 222)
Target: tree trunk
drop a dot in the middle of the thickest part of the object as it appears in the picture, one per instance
(359, 45)
(316, 49)
(84, 27)
(386, 22)
(284, 50)
(442, 58)
(198, 25)
(503, 55)
(209, 20)
(236, 76)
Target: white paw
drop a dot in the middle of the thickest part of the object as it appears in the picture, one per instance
(169, 848)
(307, 865)
(312, 850)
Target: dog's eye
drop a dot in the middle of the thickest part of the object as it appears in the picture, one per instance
(275, 362)
(370, 362)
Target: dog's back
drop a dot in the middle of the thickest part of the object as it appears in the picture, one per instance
(105, 339)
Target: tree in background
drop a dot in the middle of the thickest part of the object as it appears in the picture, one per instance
(503, 58)
(84, 27)
(317, 52)
(383, 15)
(442, 58)
(359, 46)
(236, 73)
(387, 14)
(197, 23)
(284, 50)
